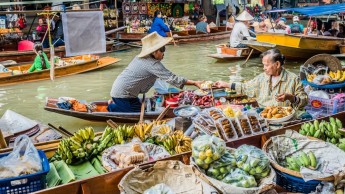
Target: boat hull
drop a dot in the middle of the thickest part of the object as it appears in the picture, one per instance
(182, 36)
(296, 46)
(231, 54)
(59, 71)
(103, 116)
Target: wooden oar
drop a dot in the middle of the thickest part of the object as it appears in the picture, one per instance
(3, 143)
(142, 111)
(62, 131)
(112, 123)
(66, 131)
(172, 38)
(250, 54)
(163, 113)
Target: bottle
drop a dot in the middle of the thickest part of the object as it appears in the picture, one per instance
(148, 105)
(159, 103)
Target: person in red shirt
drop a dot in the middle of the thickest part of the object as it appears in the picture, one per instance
(21, 22)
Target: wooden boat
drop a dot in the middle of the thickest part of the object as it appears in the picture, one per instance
(107, 183)
(89, 64)
(26, 56)
(182, 36)
(227, 53)
(100, 113)
(295, 46)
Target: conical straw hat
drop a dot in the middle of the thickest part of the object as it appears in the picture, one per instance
(153, 42)
(12, 122)
(244, 16)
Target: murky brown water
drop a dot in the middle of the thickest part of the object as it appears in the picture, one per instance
(189, 60)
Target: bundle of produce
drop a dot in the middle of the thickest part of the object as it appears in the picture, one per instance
(338, 76)
(276, 112)
(112, 136)
(331, 131)
(240, 178)
(143, 130)
(206, 149)
(302, 159)
(203, 101)
(252, 160)
(220, 168)
(230, 112)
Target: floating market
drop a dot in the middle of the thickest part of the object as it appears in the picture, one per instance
(105, 97)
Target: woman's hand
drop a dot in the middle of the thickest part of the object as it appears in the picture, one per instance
(283, 97)
(222, 84)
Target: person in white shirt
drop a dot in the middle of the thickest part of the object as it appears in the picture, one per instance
(240, 30)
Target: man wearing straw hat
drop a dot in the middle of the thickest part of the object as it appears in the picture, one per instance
(240, 30)
(141, 74)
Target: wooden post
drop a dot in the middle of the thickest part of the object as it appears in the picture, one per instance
(86, 4)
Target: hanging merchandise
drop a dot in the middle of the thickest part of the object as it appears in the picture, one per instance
(177, 10)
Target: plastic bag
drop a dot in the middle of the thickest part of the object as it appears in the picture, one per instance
(220, 168)
(240, 178)
(322, 80)
(252, 160)
(159, 189)
(161, 131)
(206, 149)
(24, 159)
(163, 87)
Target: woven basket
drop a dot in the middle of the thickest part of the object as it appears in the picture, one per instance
(332, 62)
(288, 171)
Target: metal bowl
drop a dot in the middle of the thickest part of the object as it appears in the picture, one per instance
(186, 111)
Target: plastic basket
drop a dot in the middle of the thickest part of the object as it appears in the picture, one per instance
(319, 107)
(26, 183)
(295, 184)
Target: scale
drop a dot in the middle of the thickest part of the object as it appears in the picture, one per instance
(184, 116)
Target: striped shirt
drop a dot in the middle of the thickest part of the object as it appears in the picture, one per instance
(261, 88)
(139, 77)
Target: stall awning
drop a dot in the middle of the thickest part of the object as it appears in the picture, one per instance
(315, 10)
(34, 2)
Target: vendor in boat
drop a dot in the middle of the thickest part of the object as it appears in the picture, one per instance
(141, 74)
(296, 27)
(158, 24)
(240, 30)
(202, 25)
(41, 61)
(276, 86)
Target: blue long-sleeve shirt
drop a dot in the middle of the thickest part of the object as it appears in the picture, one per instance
(159, 26)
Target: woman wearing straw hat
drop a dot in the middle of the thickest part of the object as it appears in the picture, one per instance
(141, 74)
(240, 30)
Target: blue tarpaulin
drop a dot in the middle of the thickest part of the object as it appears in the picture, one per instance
(315, 10)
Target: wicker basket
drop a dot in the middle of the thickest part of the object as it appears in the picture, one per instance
(332, 62)
(288, 171)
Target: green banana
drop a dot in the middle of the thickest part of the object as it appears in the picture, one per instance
(305, 159)
(297, 161)
(333, 141)
(312, 130)
(332, 120)
(312, 159)
(342, 146)
(317, 134)
(302, 132)
(301, 161)
(316, 124)
(339, 123)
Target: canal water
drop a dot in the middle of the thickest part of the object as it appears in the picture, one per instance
(188, 60)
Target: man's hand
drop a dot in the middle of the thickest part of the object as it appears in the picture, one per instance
(222, 84)
(283, 97)
(198, 83)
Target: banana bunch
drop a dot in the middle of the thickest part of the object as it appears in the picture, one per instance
(311, 77)
(305, 160)
(79, 147)
(331, 131)
(337, 76)
(169, 144)
(143, 130)
(183, 142)
(112, 136)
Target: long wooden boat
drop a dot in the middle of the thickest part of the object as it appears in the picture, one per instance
(26, 56)
(101, 113)
(90, 64)
(182, 36)
(295, 46)
(230, 54)
(107, 183)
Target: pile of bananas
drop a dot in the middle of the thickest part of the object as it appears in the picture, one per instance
(331, 131)
(177, 142)
(295, 163)
(311, 77)
(112, 136)
(337, 76)
(81, 146)
(143, 130)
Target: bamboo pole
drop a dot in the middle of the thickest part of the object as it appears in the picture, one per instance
(3, 143)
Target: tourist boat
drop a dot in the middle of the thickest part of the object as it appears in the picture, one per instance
(108, 183)
(100, 113)
(26, 56)
(299, 45)
(75, 65)
(182, 36)
(227, 53)
(295, 45)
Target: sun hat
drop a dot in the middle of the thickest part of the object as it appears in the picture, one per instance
(153, 42)
(295, 18)
(282, 19)
(244, 16)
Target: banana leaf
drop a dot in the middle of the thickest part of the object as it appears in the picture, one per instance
(83, 170)
(53, 178)
(64, 172)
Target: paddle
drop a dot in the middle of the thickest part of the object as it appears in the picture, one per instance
(172, 38)
(251, 51)
(163, 113)
(142, 111)
(65, 133)
(112, 124)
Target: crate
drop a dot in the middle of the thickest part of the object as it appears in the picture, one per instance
(295, 184)
(26, 183)
(320, 107)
